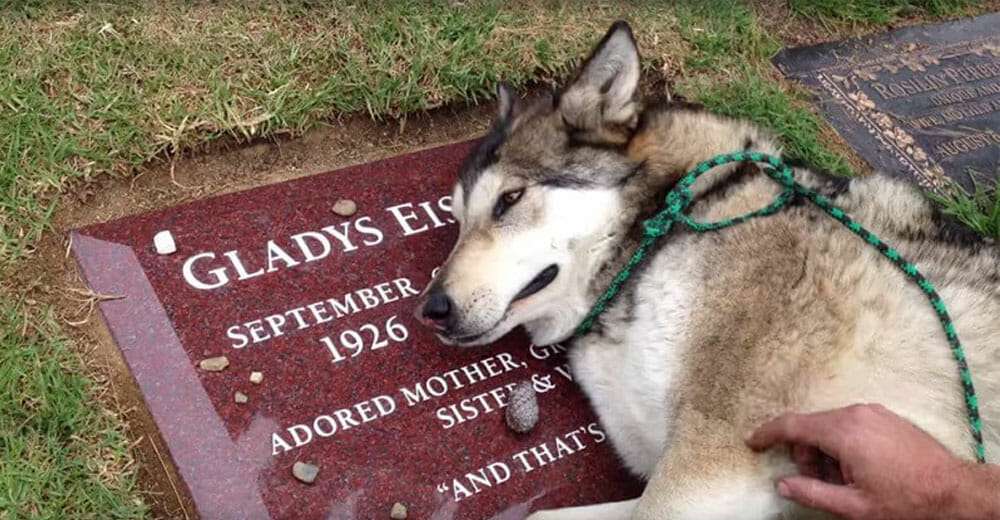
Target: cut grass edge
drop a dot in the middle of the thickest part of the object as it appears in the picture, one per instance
(100, 89)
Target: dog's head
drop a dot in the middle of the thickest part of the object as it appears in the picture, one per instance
(536, 201)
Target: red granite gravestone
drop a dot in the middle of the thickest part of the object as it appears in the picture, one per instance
(320, 305)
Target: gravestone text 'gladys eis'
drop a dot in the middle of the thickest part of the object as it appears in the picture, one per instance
(922, 102)
(326, 366)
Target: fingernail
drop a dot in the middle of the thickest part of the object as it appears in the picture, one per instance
(783, 489)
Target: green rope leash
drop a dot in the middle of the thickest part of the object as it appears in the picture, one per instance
(680, 198)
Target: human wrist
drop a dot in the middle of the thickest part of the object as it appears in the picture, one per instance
(975, 493)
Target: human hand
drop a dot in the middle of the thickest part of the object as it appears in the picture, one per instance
(865, 462)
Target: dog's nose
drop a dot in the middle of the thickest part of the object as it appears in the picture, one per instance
(437, 308)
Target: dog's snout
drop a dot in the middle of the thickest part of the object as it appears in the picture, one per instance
(437, 308)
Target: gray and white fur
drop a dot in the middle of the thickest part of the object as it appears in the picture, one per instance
(717, 332)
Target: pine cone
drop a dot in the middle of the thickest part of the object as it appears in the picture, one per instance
(522, 408)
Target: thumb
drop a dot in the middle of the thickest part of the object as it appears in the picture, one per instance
(815, 494)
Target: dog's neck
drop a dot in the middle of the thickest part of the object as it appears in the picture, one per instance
(670, 141)
(641, 198)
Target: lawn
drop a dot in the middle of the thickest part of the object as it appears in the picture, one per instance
(99, 90)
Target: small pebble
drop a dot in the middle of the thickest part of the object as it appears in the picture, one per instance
(240, 397)
(522, 408)
(305, 472)
(214, 364)
(345, 207)
(398, 512)
(256, 377)
(164, 243)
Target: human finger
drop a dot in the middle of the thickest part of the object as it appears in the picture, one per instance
(842, 501)
(820, 430)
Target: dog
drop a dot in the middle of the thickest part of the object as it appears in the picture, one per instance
(716, 332)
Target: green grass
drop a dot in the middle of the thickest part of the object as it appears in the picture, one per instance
(875, 12)
(979, 210)
(102, 88)
(730, 73)
(60, 456)
(759, 99)
(725, 37)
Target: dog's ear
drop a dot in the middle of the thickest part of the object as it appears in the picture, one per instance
(601, 104)
(507, 104)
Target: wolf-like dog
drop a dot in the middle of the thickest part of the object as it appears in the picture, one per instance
(716, 332)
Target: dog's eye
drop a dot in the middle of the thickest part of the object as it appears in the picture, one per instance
(506, 200)
(511, 197)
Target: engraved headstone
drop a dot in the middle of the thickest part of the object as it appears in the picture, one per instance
(312, 311)
(922, 102)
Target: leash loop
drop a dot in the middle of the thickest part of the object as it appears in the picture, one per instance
(680, 198)
(676, 202)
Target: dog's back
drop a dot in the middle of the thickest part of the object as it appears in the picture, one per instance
(792, 313)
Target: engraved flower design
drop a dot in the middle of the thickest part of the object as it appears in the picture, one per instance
(913, 64)
(867, 73)
(902, 137)
(891, 134)
(861, 99)
(884, 128)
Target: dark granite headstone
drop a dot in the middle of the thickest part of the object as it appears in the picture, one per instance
(321, 305)
(922, 102)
